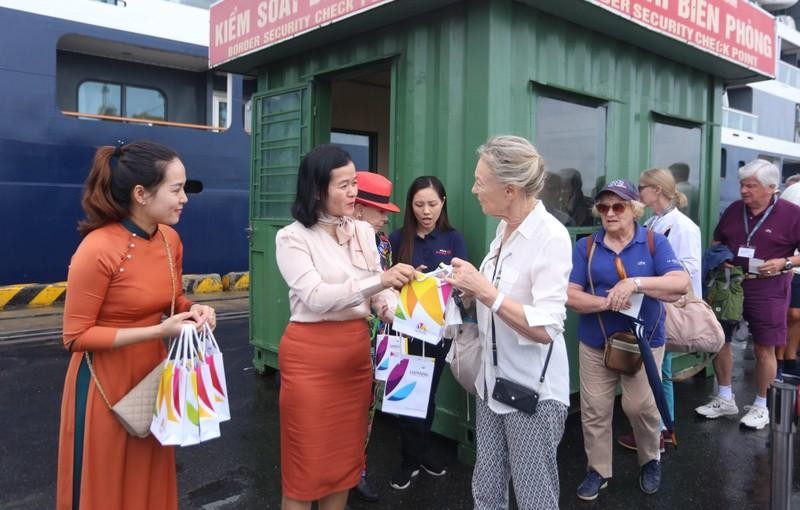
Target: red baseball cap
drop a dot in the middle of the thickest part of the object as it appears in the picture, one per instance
(375, 190)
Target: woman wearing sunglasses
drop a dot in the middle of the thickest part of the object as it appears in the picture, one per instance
(659, 192)
(625, 261)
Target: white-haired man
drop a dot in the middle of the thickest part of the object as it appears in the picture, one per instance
(762, 232)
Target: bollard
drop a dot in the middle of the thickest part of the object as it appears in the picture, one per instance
(782, 413)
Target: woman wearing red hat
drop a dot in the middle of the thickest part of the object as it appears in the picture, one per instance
(373, 206)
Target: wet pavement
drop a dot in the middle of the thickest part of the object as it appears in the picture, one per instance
(717, 465)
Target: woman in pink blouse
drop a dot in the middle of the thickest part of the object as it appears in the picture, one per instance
(330, 263)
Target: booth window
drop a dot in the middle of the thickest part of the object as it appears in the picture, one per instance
(360, 146)
(280, 126)
(677, 147)
(572, 135)
(120, 100)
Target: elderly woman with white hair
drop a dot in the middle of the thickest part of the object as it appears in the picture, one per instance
(624, 264)
(521, 292)
(763, 233)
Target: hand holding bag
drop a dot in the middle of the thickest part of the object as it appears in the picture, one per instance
(135, 410)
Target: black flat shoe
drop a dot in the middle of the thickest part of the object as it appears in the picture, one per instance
(365, 491)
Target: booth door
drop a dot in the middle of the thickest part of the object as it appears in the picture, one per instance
(281, 136)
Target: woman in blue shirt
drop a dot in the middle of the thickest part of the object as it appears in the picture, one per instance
(425, 240)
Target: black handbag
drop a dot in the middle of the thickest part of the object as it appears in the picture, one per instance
(514, 394)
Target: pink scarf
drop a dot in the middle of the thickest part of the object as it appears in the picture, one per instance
(355, 238)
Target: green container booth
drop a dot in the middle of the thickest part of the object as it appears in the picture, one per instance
(414, 87)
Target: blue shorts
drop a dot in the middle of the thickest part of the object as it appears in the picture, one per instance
(794, 300)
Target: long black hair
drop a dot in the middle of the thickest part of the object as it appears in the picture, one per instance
(313, 178)
(409, 228)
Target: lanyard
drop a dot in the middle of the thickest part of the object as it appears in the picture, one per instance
(758, 225)
(654, 220)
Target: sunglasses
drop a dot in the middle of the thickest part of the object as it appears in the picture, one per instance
(617, 207)
(645, 186)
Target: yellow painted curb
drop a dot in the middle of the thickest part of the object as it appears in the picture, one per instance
(236, 281)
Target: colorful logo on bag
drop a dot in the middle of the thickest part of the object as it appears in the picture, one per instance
(380, 350)
(427, 293)
(394, 379)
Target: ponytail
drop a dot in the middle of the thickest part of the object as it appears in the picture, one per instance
(680, 200)
(98, 202)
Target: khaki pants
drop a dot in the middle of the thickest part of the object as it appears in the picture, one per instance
(598, 388)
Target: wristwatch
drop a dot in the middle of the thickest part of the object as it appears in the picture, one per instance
(788, 265)
(638, 283)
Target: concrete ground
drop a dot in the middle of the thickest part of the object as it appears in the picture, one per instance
(717, 465)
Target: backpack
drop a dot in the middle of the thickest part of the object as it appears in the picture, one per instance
(724, 293)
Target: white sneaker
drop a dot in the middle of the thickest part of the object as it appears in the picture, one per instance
(718, 407)
(756, 417)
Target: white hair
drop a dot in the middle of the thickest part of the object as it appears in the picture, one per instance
(766, 173)
(515, 161)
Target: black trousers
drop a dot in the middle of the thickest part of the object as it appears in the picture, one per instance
(415, 432)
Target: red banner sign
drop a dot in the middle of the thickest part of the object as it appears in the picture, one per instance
(239, 27)
(735, 30)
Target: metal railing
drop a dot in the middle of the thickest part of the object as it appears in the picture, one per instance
(788, 74)
(737, 119)
(149, 122)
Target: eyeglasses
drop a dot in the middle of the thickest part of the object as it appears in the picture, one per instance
(617, 207)
(645, 186)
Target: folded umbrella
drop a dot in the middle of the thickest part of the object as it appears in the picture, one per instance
(653, 372)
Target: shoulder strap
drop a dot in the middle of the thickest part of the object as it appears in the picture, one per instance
(589, 243)
(651, 242)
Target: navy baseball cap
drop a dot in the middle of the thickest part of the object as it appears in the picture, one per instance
(623, 188)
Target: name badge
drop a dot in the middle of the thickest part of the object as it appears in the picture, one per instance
(747, 252)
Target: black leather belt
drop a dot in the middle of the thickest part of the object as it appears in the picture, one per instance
(750, 276)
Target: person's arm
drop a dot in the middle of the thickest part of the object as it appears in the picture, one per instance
(583, 302)
(88, 280)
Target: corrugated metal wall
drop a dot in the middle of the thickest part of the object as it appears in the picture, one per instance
(472, 70)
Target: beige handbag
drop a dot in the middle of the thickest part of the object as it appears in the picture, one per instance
(692, 326)
(135, 410)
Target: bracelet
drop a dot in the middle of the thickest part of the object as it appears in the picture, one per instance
(498, 302)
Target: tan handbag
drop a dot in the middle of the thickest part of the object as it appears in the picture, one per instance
(692, 326)
(135, 410)
(622, 353)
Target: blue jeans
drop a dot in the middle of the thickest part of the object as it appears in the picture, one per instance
(666, 382)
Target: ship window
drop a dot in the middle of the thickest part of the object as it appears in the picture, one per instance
(100, 98)
(119, 100)
(678, 148)
(573, 136)
(141, 103)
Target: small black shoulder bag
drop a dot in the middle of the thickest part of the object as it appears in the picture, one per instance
(508, 392)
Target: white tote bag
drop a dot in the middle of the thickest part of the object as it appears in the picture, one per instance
(408, 385)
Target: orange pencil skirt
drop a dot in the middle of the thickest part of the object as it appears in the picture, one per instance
(326, 380)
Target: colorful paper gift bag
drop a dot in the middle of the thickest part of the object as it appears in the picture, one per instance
(408, 385)
(384, 346)
(420, 309)
(218, 391)
(168, 414)
(209, 423)
(190, 422)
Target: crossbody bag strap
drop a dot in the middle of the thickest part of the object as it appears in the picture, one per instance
(592, 245)
(88, 355)
(494, 335)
